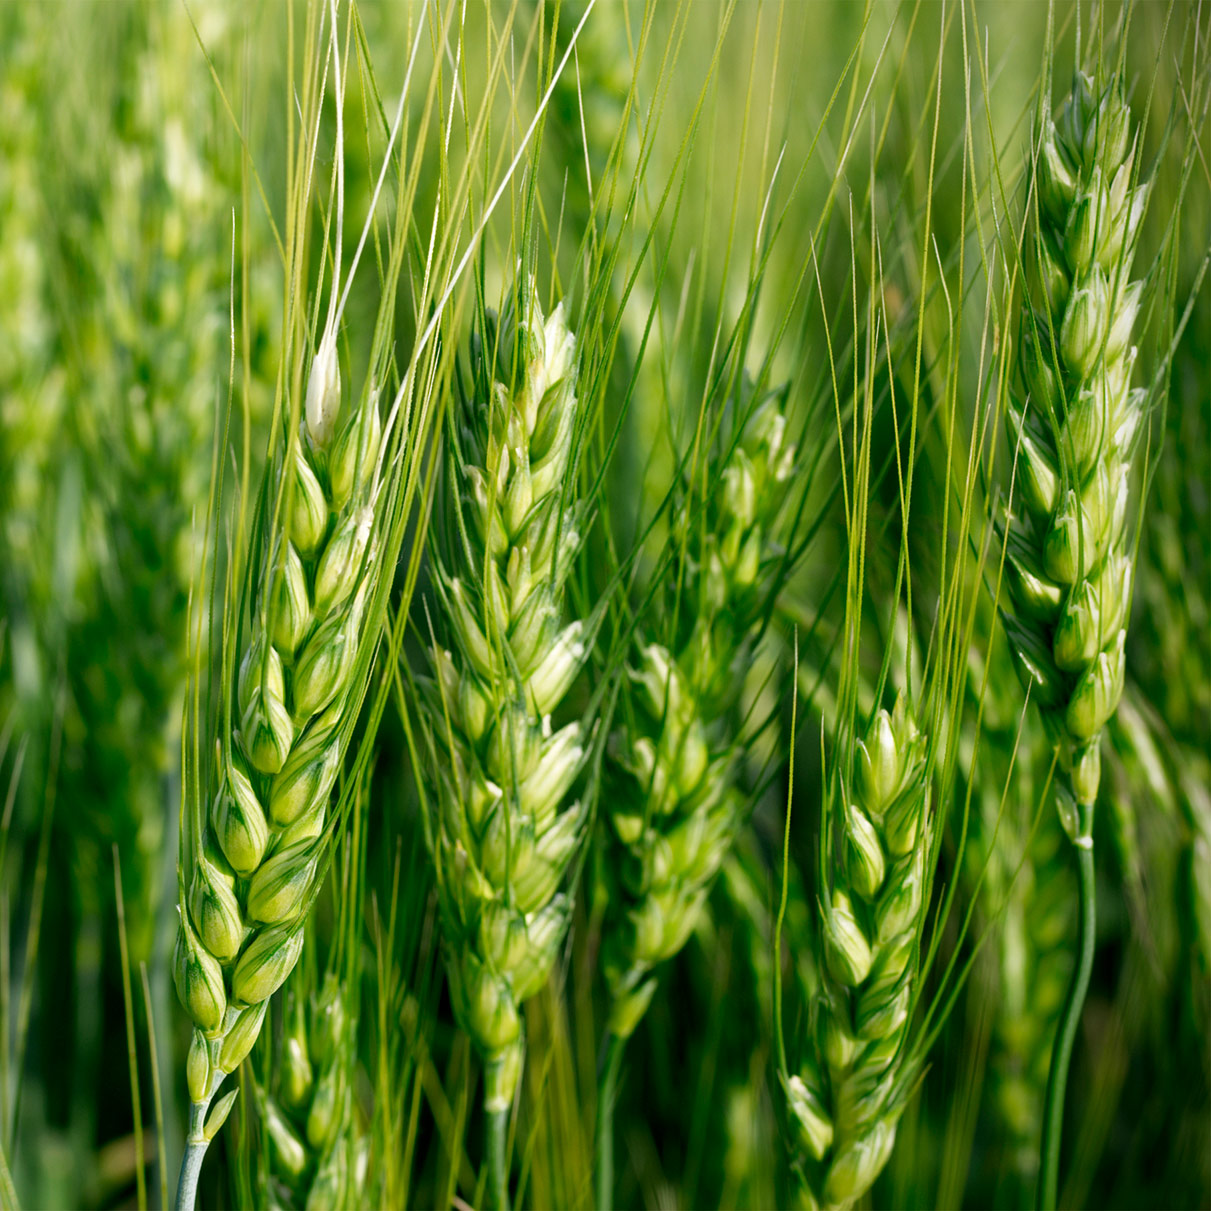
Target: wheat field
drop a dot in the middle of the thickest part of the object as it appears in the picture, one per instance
(605, 604)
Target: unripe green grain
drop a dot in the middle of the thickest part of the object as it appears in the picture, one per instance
(239, 824)
(266, 963)
(216, 911)
(292, 604)
(281, 883)
(240, 1032)
(199, 980)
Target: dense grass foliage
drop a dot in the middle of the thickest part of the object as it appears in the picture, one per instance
(605, 603)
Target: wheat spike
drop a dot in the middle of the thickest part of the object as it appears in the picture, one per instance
(1075, 431)
(848, 1095)
(502, 837)
(673, 806)
(254, 872)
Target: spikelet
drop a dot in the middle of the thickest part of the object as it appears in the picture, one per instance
(503, 838)
(847, 1098)
(672, 805)
(1074, 427)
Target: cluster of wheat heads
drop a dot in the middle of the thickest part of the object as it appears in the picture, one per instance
(303, 621)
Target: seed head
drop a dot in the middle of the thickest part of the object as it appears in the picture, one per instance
(278, 891)
(197, 1068)
(855, 1168)
(288, 1149)
(266, 730)
(354, 453)
(215, 909)
(308, 508)
(1097, 693)
(865, 855)
(323, 1119)
(325, 664)
(307, 778)
(486, 1004)
(880, 765)
(291, 604)
(341, 564)
(815, 1127)
(240, 1031)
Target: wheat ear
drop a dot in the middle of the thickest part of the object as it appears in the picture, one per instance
(672, 805)
(502, 838)
(847, 1098)
(1075, 434)
(254, 869)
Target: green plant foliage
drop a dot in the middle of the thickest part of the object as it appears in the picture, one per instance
(571, 572)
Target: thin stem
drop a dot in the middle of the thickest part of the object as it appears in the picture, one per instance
(1057, 1078)
(498, 1168)
(607, 1083)
(191, 1162)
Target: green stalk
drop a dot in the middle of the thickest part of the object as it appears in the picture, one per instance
(498, 1166)
(1057, 1078)
(191, 1162)
(606, 1091)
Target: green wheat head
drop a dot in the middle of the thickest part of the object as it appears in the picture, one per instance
(1076, 429)
(502, 837)
(849, 1093)
(672, 807)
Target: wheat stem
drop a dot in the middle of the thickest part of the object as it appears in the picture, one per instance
(498, 1163)
(1070, 1017)
(606, 1094)
(191, 1161)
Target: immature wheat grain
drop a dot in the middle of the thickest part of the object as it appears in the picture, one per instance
(848, 1095)
(1075, 433)
(502, 840)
